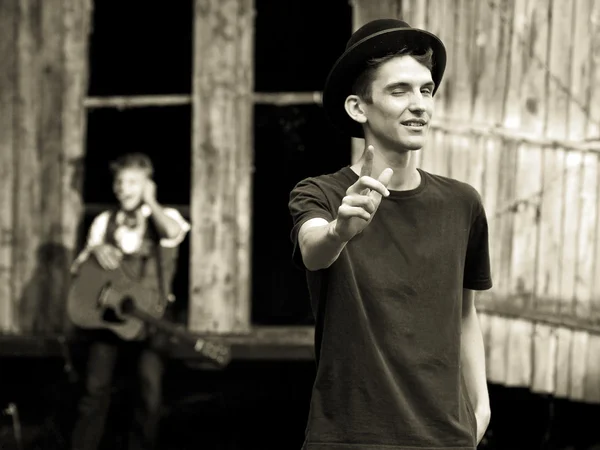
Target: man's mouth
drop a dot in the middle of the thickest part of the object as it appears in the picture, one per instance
(415, 123)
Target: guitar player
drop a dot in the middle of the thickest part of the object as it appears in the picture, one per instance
(130, 233)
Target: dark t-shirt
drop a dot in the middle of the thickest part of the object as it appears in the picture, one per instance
(388, 316)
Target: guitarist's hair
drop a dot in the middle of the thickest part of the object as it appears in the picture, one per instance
(134, 160)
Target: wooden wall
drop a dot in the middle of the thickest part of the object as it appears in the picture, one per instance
(518, 117)
(42, 85)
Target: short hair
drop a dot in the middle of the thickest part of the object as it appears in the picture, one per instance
(132, 161)
(363, 83)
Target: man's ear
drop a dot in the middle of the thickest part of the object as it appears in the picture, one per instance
(355, 108)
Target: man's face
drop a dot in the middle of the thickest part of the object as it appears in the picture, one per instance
(128, 187)
(402, 103)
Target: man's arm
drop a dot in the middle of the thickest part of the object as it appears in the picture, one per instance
(167, 226)
(473, 363)
(319, 244)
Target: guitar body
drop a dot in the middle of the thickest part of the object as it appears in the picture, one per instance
(97, 296)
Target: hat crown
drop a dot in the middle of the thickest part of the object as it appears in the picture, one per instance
(373, 27)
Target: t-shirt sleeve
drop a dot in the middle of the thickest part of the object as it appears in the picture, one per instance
(307, 201)
(477, 274)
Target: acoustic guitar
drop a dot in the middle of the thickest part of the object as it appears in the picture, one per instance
(120, 302)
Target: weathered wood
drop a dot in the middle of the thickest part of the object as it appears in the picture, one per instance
(580, 70)
(222, 87)
(591, 390)
(27, 187)
(499, 334)
(77, 16)
(548, 273)
(8, 30)
(570, 230)
(578, 365)
(593, 53)
(52, 263)
(586, 232)
(518, 359)
(564, 345)
(533, 51)
(544, 359)
(516, 60)
(559, 64)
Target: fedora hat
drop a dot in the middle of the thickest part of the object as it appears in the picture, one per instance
(375, 39)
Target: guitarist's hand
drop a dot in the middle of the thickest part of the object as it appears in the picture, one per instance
(108, 256)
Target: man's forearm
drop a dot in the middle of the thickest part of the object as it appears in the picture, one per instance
(473, 363)
(167, 226)
(320, 246)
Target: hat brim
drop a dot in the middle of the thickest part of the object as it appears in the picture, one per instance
(353, 61)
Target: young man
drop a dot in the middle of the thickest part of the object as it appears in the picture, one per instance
(392, 255)
(133, 231)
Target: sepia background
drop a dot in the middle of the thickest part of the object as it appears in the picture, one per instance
(225, 96)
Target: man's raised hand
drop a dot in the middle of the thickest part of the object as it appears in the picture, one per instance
(362, 199)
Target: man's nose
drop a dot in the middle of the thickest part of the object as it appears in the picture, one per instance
(417, 102)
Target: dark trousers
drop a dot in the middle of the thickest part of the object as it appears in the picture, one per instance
(95, 402)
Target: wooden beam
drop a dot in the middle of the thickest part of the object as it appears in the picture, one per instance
(8, 30)
(146, 101)
(222, 159)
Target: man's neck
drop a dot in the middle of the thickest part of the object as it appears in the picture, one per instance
(404, 164)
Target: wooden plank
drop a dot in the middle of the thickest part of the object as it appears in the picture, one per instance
(219, 90)
(544, 359)
(484, 66)
(564, 345)
(528, 184)
(580, 69)
(498, 354)
(504, 216)
(415, 12)
(593, 53)
(493, 155)
(244, 167)
(460, 160)
(27, 188)
(518, 360)
(570, 230)
(8, 18)
(447, 90)
(547, 286)
(559, 64)
(51, 256)
(591, 390)
(512, 108)
(477, 155)
(578, 365)
(586, 233)
(594, 302)
(503, 12)
(533, 51)
(76, 28)
(465, 18)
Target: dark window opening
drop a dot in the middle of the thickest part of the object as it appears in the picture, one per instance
(291, 143)
(297, 43)
(164, 135)
(141, 47)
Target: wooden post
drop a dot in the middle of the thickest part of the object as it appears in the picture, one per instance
(222, 161)
(8, 21)
(42, 86)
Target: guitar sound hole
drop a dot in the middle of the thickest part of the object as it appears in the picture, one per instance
(109, 315)
(127, 305)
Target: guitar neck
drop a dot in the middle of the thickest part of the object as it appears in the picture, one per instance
(163, 325)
